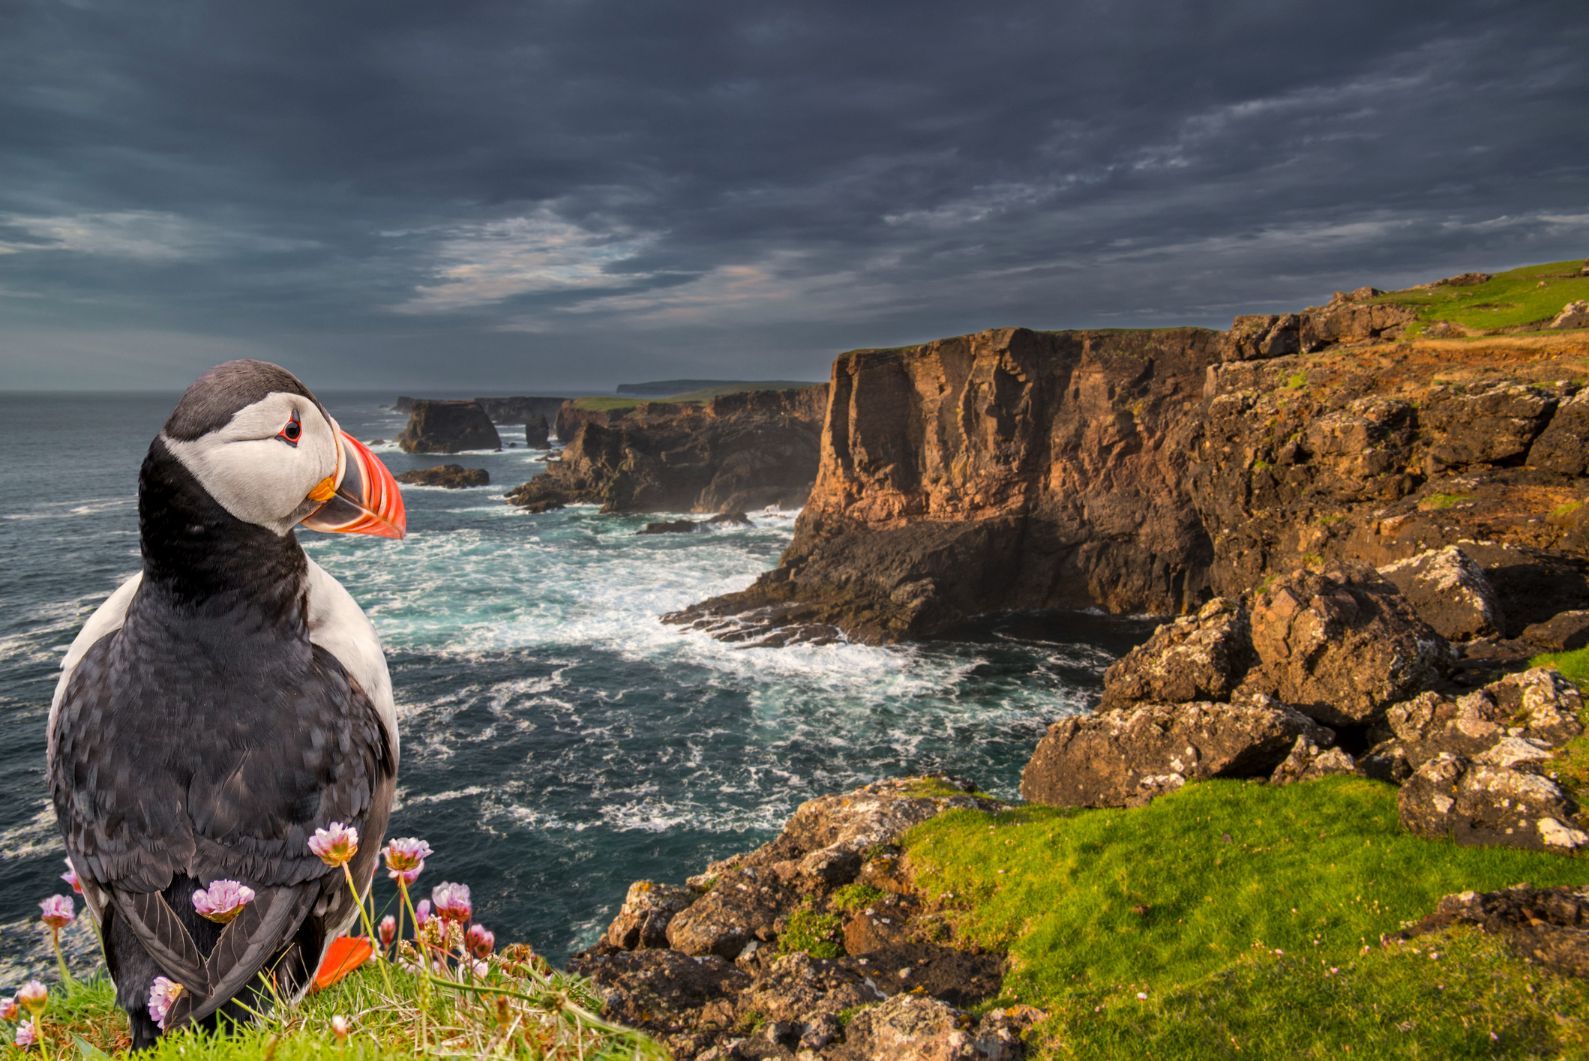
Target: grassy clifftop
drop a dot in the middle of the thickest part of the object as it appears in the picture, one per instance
(1519, 299)
(1236, 916)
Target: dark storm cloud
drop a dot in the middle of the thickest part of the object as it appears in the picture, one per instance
(572, 193)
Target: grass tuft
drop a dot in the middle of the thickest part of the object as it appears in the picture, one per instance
(1226, 904)
(520, 1009)
(819, 935)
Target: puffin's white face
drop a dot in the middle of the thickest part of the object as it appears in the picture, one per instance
(275, 462)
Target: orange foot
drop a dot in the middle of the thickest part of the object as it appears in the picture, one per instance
(345, 954)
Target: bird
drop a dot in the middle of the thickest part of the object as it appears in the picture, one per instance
(225, 703)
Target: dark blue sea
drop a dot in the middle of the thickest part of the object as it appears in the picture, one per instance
(558, 740)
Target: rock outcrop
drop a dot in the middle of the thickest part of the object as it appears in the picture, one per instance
(522, 409)
(732, 453)
(451, 476)
(1545, 925)
(437, 426)
(1147, 471)
(537, 432)
(813, 945)
(1125, 757)
(1450, 592)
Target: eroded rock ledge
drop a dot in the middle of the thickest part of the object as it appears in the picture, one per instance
(814, 944)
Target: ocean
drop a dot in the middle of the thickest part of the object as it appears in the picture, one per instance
(559, 741)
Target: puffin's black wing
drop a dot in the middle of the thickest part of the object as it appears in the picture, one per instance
(153, 808)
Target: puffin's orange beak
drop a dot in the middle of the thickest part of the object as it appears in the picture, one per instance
(361, 498)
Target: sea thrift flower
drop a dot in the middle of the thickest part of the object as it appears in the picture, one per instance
(422, 912)
(405, 858)
(481, 969)
(223, 901)
(388, 930)
(163, 994)
(336, 844)
(9, 1010)
(26, 1035)
(34, 996)
(70, 877)
(340, 1026)
(480, 941)
(451, 901)
(57, 911)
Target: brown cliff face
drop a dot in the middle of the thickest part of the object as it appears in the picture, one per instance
(1006, 469)
(733, 453)
(1142, 471)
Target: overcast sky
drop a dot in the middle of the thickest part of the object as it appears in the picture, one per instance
(523, 196)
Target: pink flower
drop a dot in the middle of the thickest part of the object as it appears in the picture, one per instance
(480, 941)
(405, 858)
(34, 996)
(163, 994)
(388, 930)
(9, 1010)
(70, 877)
(340, 1026)
(451, 901)
(223, 901)
(481, 970)
(57, 911)
(26, 1035)
(422, 912)
(336, 844)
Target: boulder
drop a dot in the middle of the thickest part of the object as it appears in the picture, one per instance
(729, 519)
(1490, 804)
(1125, 758)
(647, 909)
(1340, 647)
(1258, 336)
(1463, 280)
(451, 476)
(1448, 590)
(1531, 585)
(1308, 761)
(925, 1029)
(806, 996)
(1572, 315)
(448, 427)
(1197, 657)
(670, 526)
(1492, 424)
(1538, 705)
(1563, 446)
(1562, 631)
(1349, 319)
(537, 432)
(1545, 925)
(741, 907)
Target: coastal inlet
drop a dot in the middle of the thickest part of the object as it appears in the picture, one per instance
(559, 740)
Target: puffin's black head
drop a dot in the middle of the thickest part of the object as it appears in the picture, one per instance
(259, 445)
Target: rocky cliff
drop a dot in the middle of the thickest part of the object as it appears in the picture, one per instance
(1148, 470)
(440, 426)
(731, 453)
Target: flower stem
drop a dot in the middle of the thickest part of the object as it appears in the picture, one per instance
(364, 915)
(424, 959)
(60, 960)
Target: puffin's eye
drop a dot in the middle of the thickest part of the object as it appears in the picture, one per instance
(291, 432)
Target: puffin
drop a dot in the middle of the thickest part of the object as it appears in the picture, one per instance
(225, 703)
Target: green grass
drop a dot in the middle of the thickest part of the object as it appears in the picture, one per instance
(1511, 299)
(1226, 903)
(1296, 381)
(854, 897)
(519, 1010)
(819, 935)
(1438, 501)
(604, 404)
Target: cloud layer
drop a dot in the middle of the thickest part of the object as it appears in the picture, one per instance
(569, 194)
